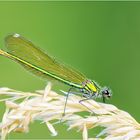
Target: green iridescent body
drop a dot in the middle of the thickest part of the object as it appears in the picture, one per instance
(40, 63)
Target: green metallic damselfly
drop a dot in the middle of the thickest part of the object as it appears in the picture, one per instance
(38, 62)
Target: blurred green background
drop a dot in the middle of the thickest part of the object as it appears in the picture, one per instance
(101, 39)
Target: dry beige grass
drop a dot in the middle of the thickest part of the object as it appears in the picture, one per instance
(47, 105)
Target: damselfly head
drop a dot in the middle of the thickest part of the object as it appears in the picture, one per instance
(106, 92)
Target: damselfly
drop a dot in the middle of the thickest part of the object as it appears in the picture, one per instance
(40, 63)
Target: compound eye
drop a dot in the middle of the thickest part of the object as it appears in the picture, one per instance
(106, 93)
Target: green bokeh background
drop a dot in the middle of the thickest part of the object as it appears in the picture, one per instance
(101, 39)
